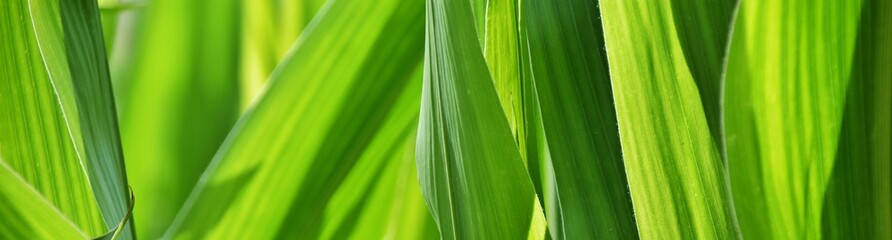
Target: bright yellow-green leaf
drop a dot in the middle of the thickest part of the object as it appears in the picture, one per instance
(788, 70)
(676, 176)
(178, 101)
(324, 107)
(27, 215)
(268, 29)
(59, 125)
(39, 125)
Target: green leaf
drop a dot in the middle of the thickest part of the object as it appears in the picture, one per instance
(479, 8)
(788, 70)
(676, 176)
(58, 120)
(178, 101)
(95, 103)
(323, 110)
(858, 200)
(703, 29)
(27, 215)
(269, 28)
(572, 87)
(382, 199)
(471, 172)
(502, 48)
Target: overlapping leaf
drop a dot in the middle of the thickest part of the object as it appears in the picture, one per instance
(677, 179)
(572, 87)
(59, 114)
(858, 200)
(39, 125)
(471, 172)
(788, 70)
(268, 29)
(91, 79)
(323, 108)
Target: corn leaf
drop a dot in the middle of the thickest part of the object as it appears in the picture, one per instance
(39, 126)
(269, 27)
(676, 176)
(60, 113)
(572, 86)
(382, 199)
(703, 29)
(291, 153)
(26, 214)
(479, 13)
(178, 101)
(98, 121)
(502, 48)
(788, 70)
(471, 172)
(858, 201)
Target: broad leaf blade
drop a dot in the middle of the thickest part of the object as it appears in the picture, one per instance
(381, 198)
(85, 49)
(703, 29)
(269, 28)
(26, 214)
(40, 127)
(677, 178)
(324, 105)
(858, 200)
(788, 71)
(177, 102)
(470, 169)
(572, 87)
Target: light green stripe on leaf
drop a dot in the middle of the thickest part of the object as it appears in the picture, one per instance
(788, 71)
(676, 176)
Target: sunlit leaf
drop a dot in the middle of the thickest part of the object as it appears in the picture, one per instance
(788, 70)
(676, 176)
(60, 111)
(325, 105)
(178, 101)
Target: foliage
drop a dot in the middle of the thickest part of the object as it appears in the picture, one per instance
(463, 119)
